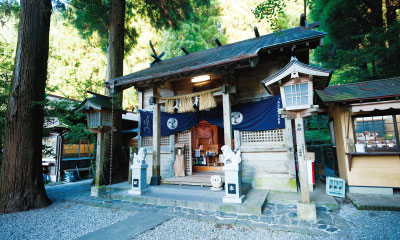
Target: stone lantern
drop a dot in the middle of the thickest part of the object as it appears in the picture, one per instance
(99, 120)
(296, 83)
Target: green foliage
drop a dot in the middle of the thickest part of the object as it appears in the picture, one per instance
(270, 10)
(62, 112)
(6, 72)
(8, 10)
(75, 66)
(359, 45)
(275, 12)
(196, 34)
(168, 13)
(317, 129)
(92, 17)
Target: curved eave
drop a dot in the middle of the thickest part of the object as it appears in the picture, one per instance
(85, 105)
(296, 66)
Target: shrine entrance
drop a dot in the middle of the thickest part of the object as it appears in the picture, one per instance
(207, 140)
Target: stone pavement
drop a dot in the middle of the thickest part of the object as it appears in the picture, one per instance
(128, 228)
(275, 217)
(375, 201)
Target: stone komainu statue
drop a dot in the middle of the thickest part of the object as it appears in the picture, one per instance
(140, 157)
(230, 157)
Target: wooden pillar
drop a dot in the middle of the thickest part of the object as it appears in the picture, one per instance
(140, 95)
(156, 178)
(172, 148)
(226, 103)
(302, 159)
(236, 134)
(100, 151)
(60, 149)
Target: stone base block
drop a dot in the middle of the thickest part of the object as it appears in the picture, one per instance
(97, 191)
(216, 189)
(306, 211)
(371, 190)
(155, 180)
(234, 200)
(138, 192)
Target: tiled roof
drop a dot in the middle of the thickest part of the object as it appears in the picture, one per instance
(220, 55)
(382, 88)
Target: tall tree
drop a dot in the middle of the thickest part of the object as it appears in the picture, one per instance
(22, 184)
(115, 68)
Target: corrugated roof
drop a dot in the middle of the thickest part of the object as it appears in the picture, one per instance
(220, 55)
(382, 88)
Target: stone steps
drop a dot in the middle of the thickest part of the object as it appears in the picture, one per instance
(194, 197)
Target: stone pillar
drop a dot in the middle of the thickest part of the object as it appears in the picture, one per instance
(99, 189)
(233, 176)
(305, 210)
(139, 173)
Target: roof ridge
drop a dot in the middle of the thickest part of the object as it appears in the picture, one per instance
(357, 83)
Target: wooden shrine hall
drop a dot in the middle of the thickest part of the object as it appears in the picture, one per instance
(204, 100)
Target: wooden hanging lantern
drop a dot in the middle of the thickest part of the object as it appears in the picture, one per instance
(99, 112)
(296, 83)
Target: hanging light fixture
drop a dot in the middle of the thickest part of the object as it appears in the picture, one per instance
(201, 78)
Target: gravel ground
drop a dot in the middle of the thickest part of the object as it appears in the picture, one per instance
(62, 219)
(67, 220)
(371, 224)
(183, 229)
(363, 224)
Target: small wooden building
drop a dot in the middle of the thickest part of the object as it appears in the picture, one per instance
(65, 155)
(364, 119)
(231, 74)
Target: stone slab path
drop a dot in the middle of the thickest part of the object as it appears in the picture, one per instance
(128, 228)
(274, 217)
(375, 202)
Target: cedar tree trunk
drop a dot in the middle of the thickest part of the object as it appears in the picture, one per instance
(115, 58)
(22, 185)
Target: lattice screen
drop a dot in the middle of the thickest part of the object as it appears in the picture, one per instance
(262, 136)
(185, 138)
(147, 141)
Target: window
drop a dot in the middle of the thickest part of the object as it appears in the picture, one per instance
(376, 133)
(296, 95)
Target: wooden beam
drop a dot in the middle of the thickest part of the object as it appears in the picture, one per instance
(156, 178)
(140, 96)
